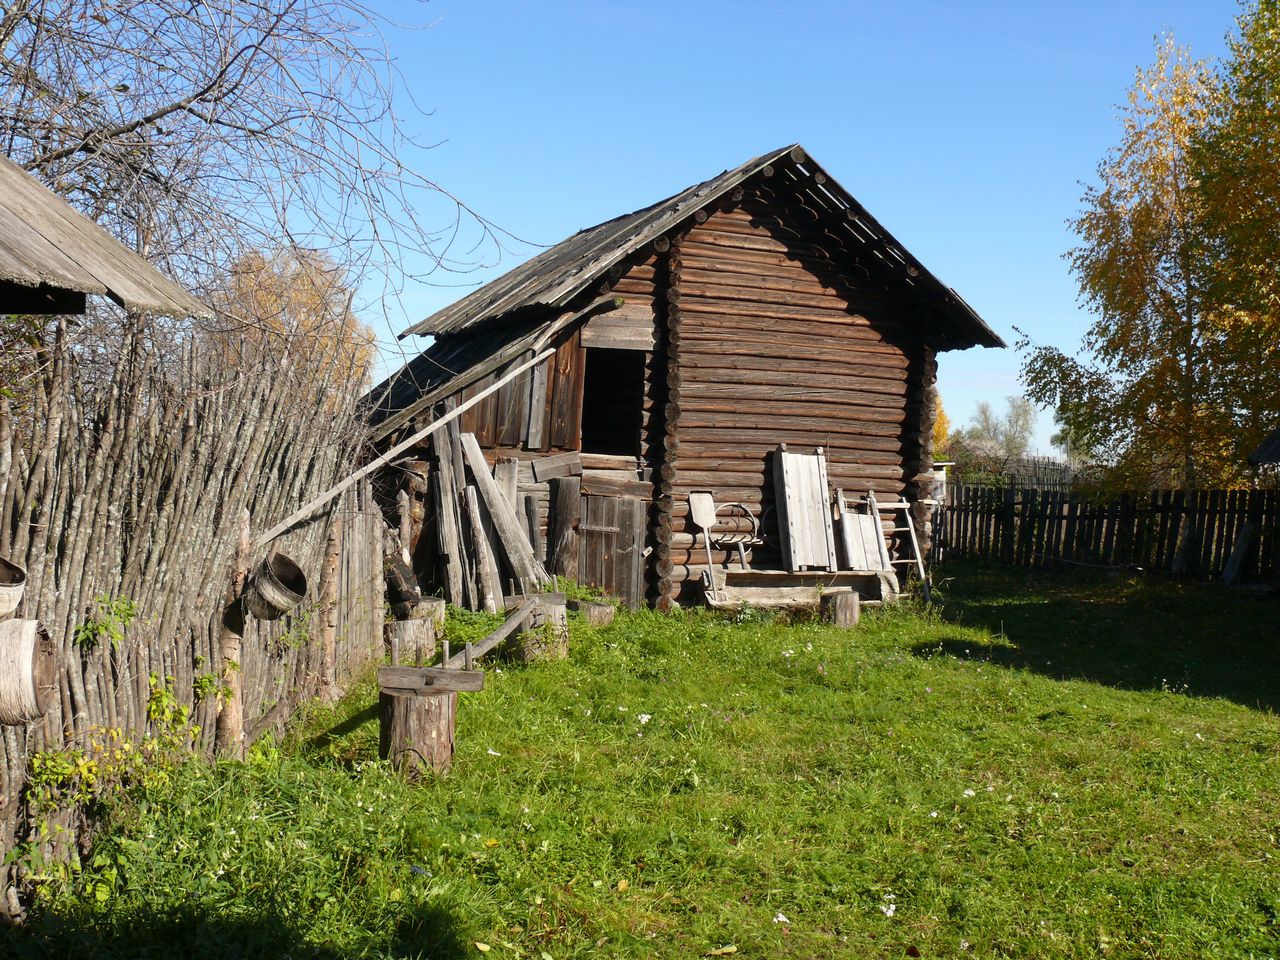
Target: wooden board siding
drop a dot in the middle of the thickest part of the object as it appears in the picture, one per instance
(770, 346)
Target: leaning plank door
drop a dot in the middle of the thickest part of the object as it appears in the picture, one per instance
(611, 534)
(804, 510)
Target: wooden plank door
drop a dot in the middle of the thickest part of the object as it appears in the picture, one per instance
(611, 538)
(804, 510)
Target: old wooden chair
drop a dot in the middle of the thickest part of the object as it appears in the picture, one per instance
(743, 528)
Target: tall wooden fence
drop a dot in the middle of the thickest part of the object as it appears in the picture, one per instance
(123, 477)
(1168, 531)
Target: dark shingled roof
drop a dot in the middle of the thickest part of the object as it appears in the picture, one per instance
(1268, 451)
(46, 243)
(559, 274)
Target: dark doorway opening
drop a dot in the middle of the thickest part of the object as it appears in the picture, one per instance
(613, 401)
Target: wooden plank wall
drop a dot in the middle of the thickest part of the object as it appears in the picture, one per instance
(1162, 530)
(767, 346)
(540, 410)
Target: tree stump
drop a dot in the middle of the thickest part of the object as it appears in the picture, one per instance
(548, 635)
(412, 641)
(596, 614)
(433, 608)
(416, 732)
(841, 608)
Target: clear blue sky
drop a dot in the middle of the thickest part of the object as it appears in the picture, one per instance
(965, 128)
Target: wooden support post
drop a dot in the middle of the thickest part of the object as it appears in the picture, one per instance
(329, 690)
(515, 544)
(529, 508)
(448, 520)
(596, 614)
(404, 514)
(229, 736)
(416, 733)
(505, 472)
(841, 608)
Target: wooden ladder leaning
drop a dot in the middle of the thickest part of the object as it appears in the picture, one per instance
(902, 523)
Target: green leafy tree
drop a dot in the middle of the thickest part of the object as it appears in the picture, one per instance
(990, 441)
(1178, 375)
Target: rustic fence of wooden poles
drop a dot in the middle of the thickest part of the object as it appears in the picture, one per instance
(131, 484)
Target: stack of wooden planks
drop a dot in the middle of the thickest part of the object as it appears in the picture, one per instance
(488, 538)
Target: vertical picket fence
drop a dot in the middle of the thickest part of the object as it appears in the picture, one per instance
(1166, 531)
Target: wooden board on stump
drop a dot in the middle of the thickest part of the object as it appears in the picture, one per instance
(415, 732)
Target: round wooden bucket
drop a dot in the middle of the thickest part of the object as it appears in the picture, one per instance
(28, 671)
(275, 588)
(13, 583)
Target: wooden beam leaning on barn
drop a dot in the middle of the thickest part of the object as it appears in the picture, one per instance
(536, 341)
(305, 512)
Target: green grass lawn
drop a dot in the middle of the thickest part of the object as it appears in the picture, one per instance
(1051, 767)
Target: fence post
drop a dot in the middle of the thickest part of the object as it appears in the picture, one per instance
(1008, 519)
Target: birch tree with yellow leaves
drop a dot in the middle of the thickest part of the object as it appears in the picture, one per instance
(1144, 396)
(1178, 261)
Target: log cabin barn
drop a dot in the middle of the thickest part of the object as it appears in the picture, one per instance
(684, 344)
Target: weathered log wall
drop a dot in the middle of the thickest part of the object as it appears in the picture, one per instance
(769, 343)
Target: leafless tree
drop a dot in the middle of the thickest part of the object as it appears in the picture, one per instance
(198, 130)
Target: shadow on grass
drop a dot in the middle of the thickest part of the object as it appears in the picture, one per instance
(322, 740)
(192, 934)
(1200, 639)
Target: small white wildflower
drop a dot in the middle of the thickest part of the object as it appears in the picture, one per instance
(644, 718)
(788, 653)
(781, 918)
(1055, 794)
(888, 909)
(964, 944)
(933, 814)
(622, 709)
(808, 646)
(493, 753)
(970, 793)
(990, 789)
